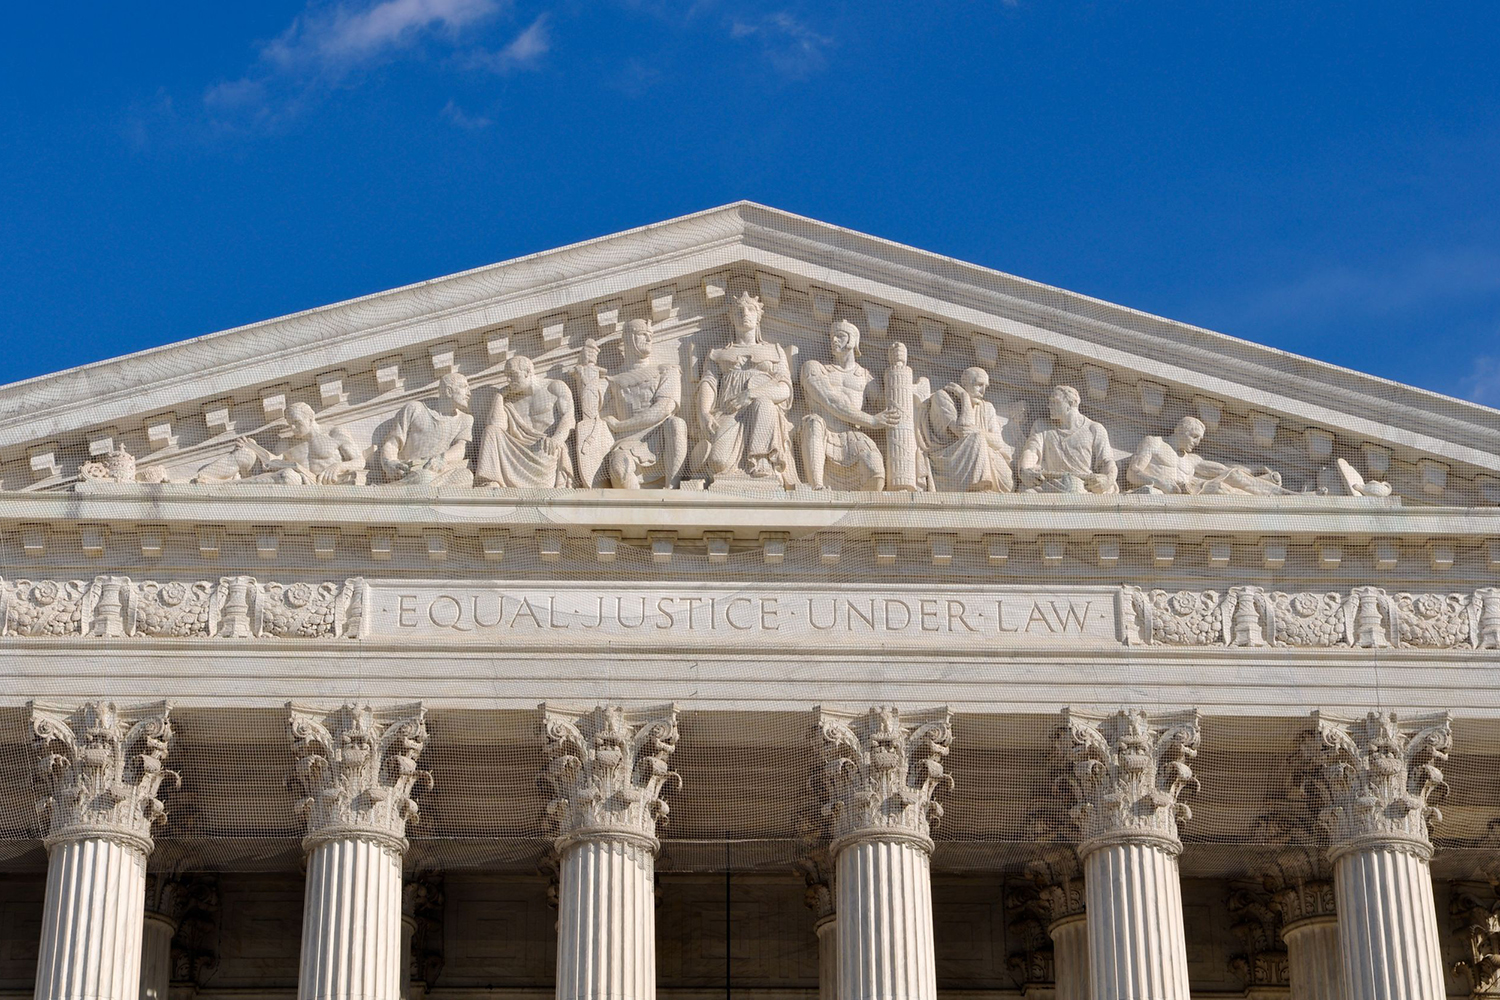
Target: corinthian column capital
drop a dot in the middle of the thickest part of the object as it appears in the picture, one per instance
(607, 771)
(357, 769)
(1379, 778)
(99, 769)
(1125, 773)
(881, 773)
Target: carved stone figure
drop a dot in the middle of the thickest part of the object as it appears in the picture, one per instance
(905, 465)
(640, 411)
(314, 457)
(834, 442)
(526, 442)
(742, 402)
(964, 438)
(427, 445)
(1066, 451)
(1168, 465)
(592, 438)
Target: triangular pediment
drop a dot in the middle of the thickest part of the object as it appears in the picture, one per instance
(359, 363)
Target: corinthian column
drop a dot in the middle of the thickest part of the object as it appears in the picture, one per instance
(1378, 775)
(607, 768)
(817, 870)
(1126, 772)
(357, 768)
(881, 775)
(100, 769)
(1301, 886)
(1059, 880)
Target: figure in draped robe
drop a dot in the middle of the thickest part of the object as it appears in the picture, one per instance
(964, 438)
(526, 441)
(742, 403)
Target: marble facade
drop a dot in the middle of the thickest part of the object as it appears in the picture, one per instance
(745, 605)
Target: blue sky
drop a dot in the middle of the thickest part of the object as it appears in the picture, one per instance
(1320, 177)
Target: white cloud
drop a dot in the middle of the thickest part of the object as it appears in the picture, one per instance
(792, 47)
(523, 52)
(458, 116)
(1483, 383)
(323, 40)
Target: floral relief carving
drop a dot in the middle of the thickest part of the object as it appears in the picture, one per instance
(356, 767)
(607, 770)
(99, 769)
(44, 607)
(881, 773)
(176, 609)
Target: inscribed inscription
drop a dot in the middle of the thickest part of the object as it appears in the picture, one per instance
(758, 618)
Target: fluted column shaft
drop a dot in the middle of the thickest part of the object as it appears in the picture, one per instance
(1137, 945)
(885, 938)
(1315, 965)
(606, 920)
(1070, 957)
(156, 956)
(827, 930)
(408, 931)
(351, 921)
(1389, 932)
(92, 921)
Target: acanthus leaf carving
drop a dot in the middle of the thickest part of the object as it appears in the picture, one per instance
(1474, 910)
(881, 772)
(100, 769)
(1058, 877)
(356, 767)
(1125, 774)
(1264, 961)
(1380, 777)
(607, 770)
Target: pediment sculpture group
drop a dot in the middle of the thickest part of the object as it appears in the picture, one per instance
(630, 430)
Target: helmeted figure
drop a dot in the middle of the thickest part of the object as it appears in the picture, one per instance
(834, 442)
(427, 444)
(742, 403)
(640, 412)
(526, 442)
(1066, 451)
(964, 438)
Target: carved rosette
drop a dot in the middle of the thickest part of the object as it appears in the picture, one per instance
(607, 771)
(99, 770)
(1125, 773)
(356, 767)
(1475, 913)
(881, 773)
(1264, 961)
(1380, 777)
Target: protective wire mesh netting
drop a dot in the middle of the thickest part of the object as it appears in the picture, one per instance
(746, 772)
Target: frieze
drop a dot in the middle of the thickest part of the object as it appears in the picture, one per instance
(244, 607)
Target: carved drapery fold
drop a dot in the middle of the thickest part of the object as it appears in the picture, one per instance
(881, 772)
(607, 771)
(1125, 774)
(1380, 778)
(357, 769)
(99, 770)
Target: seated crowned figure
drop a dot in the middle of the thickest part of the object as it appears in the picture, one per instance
(526, 441)
(742, 402)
